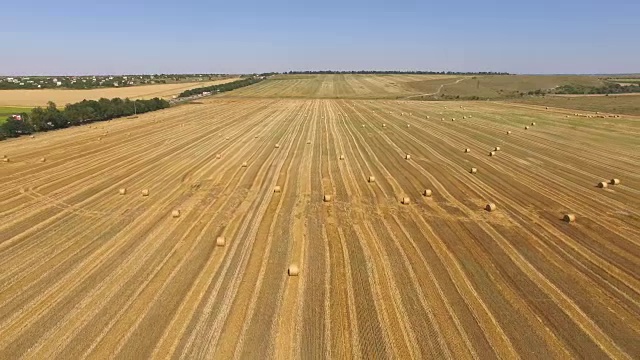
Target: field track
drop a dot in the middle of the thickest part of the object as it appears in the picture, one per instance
(86, 272)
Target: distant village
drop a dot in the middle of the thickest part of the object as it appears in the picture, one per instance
(104, 81)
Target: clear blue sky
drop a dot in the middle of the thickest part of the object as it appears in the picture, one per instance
(78, 37)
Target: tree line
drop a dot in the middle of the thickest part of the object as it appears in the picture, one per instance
(222, 87)
(611, 88)
(51, 118)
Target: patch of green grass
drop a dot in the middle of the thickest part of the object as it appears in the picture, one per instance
(10, 110)
(6, 111)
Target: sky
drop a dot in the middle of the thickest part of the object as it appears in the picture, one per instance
(64, 37)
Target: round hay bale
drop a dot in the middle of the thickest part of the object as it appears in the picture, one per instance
(408, 125)
(4, 156)
(341, 157)
(427, 116)
(427, 192)
(256, 136)
(218, 156)
(6, 160)
(362, 125)
(276, 189)
(220, 241)
(453, 119)
(492, 153)
(473, 170)
(615, 181)
(384, 125)
(226, 138)
(569, 218)
(293, 270)
(497, 148)
(145, 192)
(526, 128)
(407, 157)
(441, 119)
(372, 179)
(490, 207)
(464, 117)
(175, 213)
(277, 146)
(406, 201)
(122, 191)
(602, 184)
(467, 150)
(43, 159)
(308, 141)
(509, 132)
(546, 107)
(533, 124)
(244, 164)
(326, 198)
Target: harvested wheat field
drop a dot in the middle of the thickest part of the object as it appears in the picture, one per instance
(66, 96)
(88, 270)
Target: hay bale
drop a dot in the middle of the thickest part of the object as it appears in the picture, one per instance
(277, 146)
(175, 213)
(427, 192)
(473, 170)
(326, 198)
(408, 125)
(497, 148)
(526, 128)
(464, 117)
(384, 125)
(276, 189)
(255, 137)
(33, 137)
(602, 184)
(546, 107)
(341, 157)
(453, 119)
(615, 182)
(244, 164)
(145, 192)
(226, 138)
(362, 125)
(427, 116)
(406, 201)
(492, 153)
(372, 179)
(308, 142)
(43, 159)
(218, 156)
(122, 191)
(6, 160)
(490, 207)
(220, 241)
(407, 157)
(467, 150)
(293, 270)
(441, 119)
(509, 132)
(533, 124)
(569, 218)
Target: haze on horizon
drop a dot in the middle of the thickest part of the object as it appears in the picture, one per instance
(132, 37)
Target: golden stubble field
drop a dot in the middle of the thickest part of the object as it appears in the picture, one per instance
(87, 272)
(64, 96)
